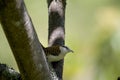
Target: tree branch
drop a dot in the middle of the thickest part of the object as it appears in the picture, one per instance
(7, 73)
(56, 9)
(23, 40)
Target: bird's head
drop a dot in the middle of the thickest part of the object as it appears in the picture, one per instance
(65, 49)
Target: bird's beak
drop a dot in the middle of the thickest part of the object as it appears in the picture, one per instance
(71, 51)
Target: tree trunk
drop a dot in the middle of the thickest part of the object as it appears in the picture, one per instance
(56, 9)
(23, 40)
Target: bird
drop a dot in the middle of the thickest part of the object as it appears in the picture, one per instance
(56, 53)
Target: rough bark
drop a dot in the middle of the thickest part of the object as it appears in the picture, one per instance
(23, 40)
(56, 10)
(7, 73)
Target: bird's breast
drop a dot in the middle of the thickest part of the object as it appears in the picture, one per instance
(52, 58)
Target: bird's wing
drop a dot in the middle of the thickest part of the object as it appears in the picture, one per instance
(54, 50)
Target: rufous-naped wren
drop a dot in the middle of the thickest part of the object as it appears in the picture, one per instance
(56, 53)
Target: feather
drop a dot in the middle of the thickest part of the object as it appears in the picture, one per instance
(54, 50)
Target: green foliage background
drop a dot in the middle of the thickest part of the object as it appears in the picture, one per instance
(92, 31)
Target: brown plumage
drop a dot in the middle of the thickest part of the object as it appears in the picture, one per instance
(54, 50)
(56, 53)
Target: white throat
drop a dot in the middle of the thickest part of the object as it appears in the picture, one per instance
(52, 58)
